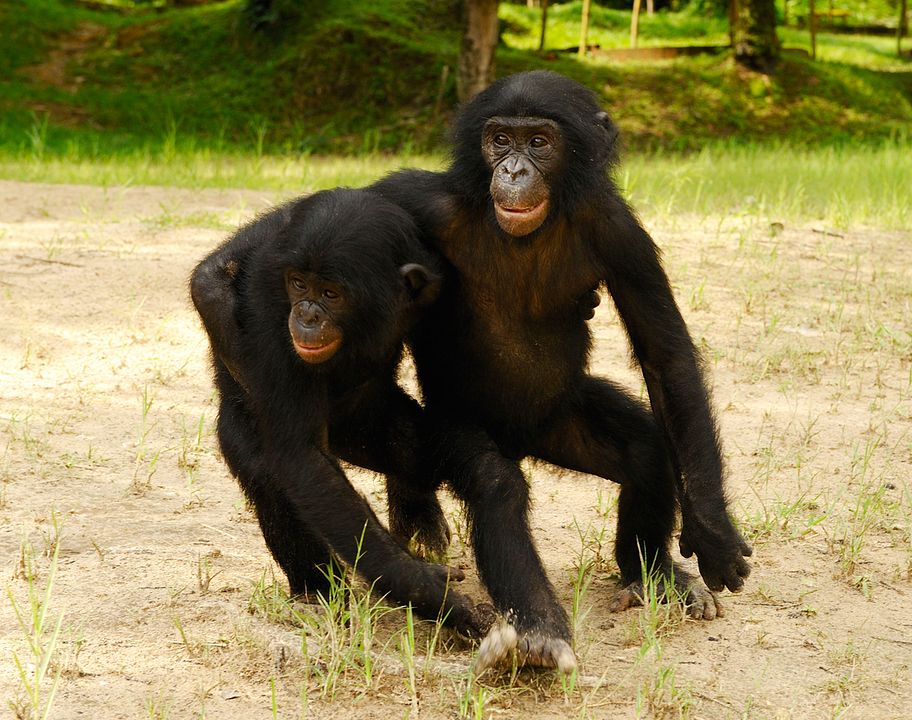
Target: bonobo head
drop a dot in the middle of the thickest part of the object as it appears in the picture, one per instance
(347, 276)
(524, 155)
(322, 309)
(318, 308)
(545, 144)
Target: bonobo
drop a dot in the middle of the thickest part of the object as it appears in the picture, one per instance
(529, 222)
(306, 308)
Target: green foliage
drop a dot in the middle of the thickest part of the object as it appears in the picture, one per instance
(356, 77)
(609, 28)
(861, 12)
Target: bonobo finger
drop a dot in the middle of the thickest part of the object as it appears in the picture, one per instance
(735, 580)
(626, 598)
(746, 550)
(455, 574)
(713, 581)
(744, 568)
(448, 572)
(684, 547)
(734, 583)
(588, 303)
(703, 604)
(483, 618)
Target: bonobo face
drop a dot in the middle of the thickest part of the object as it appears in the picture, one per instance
(523, 153)
(317, 307)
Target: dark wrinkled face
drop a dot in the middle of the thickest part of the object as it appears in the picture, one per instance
(317, 309)
(524, 154)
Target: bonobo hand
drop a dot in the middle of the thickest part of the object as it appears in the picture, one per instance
(465, 617)
(587, 304)
(720, 550)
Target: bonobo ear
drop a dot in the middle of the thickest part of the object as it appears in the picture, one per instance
(610, 136)
(423, 285)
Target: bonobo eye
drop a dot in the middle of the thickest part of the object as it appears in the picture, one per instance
(539, 141)
(299, 284)
(330, 294)
(501, 140)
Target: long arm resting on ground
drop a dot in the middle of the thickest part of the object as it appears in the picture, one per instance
(679, 398)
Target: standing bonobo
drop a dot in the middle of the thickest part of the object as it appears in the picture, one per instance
(305, 309)
(529, 223)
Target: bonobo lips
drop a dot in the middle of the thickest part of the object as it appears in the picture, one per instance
(315, 354)
(519, 221)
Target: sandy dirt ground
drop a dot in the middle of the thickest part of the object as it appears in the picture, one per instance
(107, 455)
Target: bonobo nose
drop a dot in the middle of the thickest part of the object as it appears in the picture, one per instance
(512, 170)
(308, 314)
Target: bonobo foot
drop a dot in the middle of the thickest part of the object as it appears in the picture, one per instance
(479, 621)
(421, 524)
(531, 648)
(700, 602)
(463, 615)
(719, 547)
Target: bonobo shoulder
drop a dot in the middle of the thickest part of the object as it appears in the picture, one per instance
(421, 193)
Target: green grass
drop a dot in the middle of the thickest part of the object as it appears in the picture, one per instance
(191, 97)
(841, 185)
(608, 28)
(199, 76)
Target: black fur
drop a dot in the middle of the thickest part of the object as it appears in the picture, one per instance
(284, 422)
(502, 358)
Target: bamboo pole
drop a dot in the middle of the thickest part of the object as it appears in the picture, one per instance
(544, 24)
(584, 30)
(635, 24)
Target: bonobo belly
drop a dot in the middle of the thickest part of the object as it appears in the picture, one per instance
(515, 375)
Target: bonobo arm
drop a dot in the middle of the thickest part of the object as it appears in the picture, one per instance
(214, 281)
(420, 193)
(330, 507)
(679, 398)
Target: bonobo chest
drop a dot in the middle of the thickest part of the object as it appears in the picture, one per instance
(517, 314)
(530, 281)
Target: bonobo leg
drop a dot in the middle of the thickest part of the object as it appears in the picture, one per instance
(496, 496)
(385, 432)
(604, 432)
(302, 555)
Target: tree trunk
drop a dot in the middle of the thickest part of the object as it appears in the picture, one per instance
(902, 27)
(544, 25)
(584, 30)
(754, 33)
(650, 7)
(635, 23)
(812, 26)
(476, 56)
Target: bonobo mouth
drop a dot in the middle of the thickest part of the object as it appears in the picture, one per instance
(315, 354)
(519, 221)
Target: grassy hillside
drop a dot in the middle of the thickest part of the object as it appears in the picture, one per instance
(358, 76)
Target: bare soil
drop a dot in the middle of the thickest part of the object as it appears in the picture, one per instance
(104, 382)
